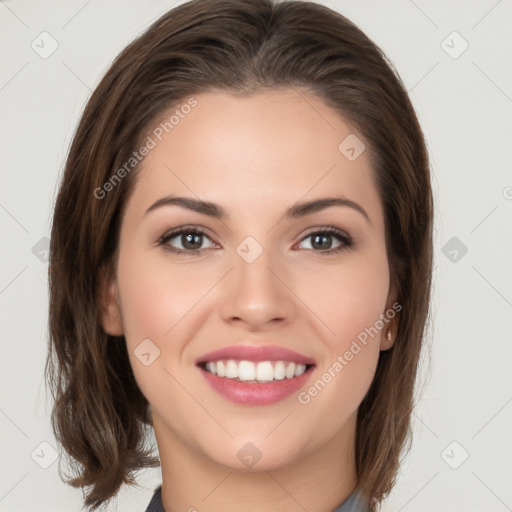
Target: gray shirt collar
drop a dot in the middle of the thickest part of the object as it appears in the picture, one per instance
(354, 503)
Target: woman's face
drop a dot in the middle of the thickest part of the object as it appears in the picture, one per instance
(314, 281)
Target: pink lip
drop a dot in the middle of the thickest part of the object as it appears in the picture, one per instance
(255, 354)
(253, 393)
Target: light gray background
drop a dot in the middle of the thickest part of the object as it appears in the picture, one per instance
(464, 105)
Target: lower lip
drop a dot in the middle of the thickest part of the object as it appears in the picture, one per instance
(253, 393)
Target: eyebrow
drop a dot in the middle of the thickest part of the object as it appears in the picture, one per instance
(296, 211)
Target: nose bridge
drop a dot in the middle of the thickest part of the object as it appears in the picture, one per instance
(254, 294)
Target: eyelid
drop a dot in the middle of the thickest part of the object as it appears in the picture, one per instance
(346, 240)
(187, 228)
(326, 229)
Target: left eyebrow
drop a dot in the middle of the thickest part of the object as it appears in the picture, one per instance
(316, 205)
(296, 211)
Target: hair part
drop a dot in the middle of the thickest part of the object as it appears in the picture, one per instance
(100, 416)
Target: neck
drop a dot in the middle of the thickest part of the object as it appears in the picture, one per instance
(320, 479)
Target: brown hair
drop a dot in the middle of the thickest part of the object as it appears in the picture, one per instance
(100, 416)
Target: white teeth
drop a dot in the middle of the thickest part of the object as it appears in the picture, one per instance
(290, 371)
(264, 371)
(279, 371)
(300, 369)
(245, 370)
(221, 368)
(231, 369)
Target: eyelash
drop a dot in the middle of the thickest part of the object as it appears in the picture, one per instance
(346, 240)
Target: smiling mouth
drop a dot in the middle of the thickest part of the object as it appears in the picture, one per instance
(255, 372)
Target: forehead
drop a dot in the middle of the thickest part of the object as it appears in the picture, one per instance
(240, 151)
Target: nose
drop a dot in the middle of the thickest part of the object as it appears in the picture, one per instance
(256, 295)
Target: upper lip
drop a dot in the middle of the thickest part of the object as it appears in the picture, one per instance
(255, 354)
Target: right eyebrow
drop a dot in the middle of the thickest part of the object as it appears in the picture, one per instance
(196, 205)
(298, 210)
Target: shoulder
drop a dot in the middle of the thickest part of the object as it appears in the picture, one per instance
(155, 505)
(354, 503)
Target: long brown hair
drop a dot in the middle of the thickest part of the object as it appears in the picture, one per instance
(100, 416)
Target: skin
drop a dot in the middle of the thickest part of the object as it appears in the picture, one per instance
(256, 157)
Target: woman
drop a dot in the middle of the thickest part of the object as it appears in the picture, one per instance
(241, 259)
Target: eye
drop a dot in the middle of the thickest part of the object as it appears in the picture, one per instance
(185, 240)
(190, 240)
(322, 241)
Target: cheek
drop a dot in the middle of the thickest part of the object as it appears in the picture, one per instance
(154, 304)
(350, 301)
(348, 298)
(156, 297)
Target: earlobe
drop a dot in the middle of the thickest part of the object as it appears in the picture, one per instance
(388, 338)
(110, 312)
(389, 333)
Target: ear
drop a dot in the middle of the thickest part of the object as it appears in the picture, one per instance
(391, 314)
(110, 311)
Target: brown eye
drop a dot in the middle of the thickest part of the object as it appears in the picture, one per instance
(191, 241)
(328, 241)
(185, 241)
